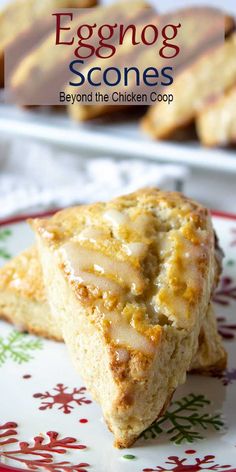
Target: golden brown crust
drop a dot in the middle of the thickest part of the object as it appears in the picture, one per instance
(216, 123)
(21, 17)
(211, 356)
(53, 71)
(21, 286)
(214, 369)
(204, 24)
(191, 231)
(23, 276)
(23, 300)
(123, 444)
(193, 88)
(130, 282)
(18, 16)
(26, 326)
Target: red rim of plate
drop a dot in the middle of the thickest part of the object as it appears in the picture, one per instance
(19, 219)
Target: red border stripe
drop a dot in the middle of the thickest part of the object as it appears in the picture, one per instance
(19, 219)
(222, 214)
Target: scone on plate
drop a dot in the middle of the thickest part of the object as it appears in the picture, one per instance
(23, 302)
(210, 75)
(211, 356)
(216, 124)
(129, 283)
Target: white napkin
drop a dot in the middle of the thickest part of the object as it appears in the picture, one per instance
(35, 176)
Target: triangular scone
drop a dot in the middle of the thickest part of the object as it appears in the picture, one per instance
(19, 17)
(23, 299)
(23, 302)
(129, 282)
(216, 124)
(211, 356)
(193, 89)
(194, 22)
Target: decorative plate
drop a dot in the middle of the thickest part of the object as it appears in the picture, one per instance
(48, 419)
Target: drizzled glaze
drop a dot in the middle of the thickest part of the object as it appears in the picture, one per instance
(146, 255)
(90, 266)
(116, 277)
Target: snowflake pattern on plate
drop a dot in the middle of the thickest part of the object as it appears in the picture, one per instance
(182, 419)
(18, 347)
(233, 241)
(226, 291)
(50, 409)
(177, 464)
(226, 329)
(43, 449)
(63, 397)
(4, 235)
(227, 377)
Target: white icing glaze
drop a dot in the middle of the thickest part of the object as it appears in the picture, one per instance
(122, 355)
(88, 265)
(100, 282)
(112, 275)
(140, 224)
(135, 249)
(124, 334)
(191, 255)
(115, 217)
(78, 269)
(46, 234)
(91, 233)
(188, 275)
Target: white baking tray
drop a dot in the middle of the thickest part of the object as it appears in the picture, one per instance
(117, 139)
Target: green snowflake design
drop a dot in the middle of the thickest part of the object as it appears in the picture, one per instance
(4, 235)
(18, 347)
(182, 421)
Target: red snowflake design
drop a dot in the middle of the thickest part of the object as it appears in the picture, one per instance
(227, 377)
(42, 448)
(7, 431)
(226, 292)
(180, 465)
(225, 329)
(233, 242)
(63, 398)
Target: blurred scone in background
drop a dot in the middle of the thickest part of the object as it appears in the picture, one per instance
(50, 159)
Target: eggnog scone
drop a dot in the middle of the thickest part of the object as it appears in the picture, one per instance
(54, 71)
(203, 24)
(211, 356)
(129, 282)
(23, 302)
(210, 75)
(216, 124)
(19, 17)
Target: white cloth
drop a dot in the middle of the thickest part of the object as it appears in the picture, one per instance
(35, 176)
